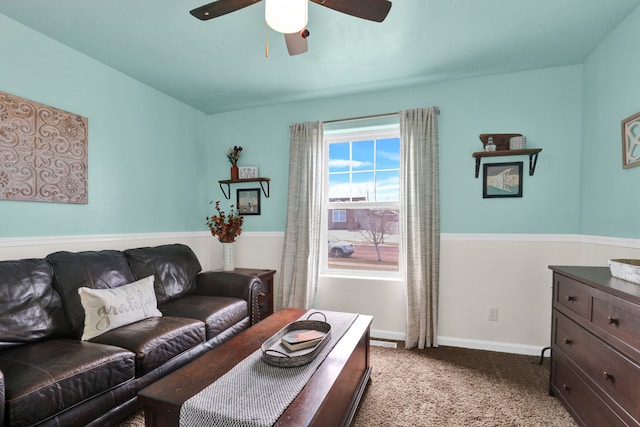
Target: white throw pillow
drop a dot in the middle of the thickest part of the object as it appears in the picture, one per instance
(106, 309)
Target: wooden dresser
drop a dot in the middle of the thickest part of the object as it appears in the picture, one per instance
(595, 357)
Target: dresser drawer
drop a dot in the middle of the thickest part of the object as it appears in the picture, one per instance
(572, 295)
(609, 370)
(582, 402)
(618, 317)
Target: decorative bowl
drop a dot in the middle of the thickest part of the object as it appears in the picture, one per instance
(625, 269)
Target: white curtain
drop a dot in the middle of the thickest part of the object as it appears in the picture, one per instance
(421, 225)
(301, 256)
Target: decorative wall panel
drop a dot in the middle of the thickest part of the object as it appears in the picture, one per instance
(43, 153)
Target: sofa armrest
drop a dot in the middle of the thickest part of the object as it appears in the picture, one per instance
(230, 284)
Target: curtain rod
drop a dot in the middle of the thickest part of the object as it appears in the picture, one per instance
(374, 116)
(353, 119)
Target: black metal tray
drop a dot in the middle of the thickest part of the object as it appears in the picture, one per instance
(275, 354)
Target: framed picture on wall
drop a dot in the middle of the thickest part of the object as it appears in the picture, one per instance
(248, 201)
(631, 141)
(502, 180)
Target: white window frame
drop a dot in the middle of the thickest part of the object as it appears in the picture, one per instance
(358, 134)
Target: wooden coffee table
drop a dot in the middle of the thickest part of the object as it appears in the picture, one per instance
(330, 398)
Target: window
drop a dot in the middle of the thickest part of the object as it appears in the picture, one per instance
(362, 200)
(339, 215)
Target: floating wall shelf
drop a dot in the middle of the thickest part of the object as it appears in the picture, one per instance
(228, 182)
(531, 152)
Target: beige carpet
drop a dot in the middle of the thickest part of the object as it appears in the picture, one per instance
(449, 386)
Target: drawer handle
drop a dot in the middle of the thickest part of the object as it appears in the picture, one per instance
(568, 341)
(571, 298)
(613, 321)
(607, 376)
(566, 388)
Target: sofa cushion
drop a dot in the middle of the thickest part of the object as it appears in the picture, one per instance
(106, 309)
(91, 269)
(30, 309)
(155, 340)
(46, 377)
(175, 268)
(218, 313)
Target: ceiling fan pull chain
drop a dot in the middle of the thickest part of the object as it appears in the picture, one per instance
(266, 42)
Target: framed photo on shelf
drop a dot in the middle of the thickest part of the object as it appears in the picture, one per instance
(247, 172)
(631, 141)
(502, 180)
(248, 201)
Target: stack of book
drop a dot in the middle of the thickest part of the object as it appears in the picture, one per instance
(301, 339)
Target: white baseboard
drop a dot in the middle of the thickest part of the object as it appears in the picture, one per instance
(387, 335)
(500, 347)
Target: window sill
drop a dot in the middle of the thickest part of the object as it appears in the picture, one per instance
(376, 276)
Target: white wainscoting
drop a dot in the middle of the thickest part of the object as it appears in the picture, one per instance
(478, 271)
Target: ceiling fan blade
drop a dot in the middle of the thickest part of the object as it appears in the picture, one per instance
(373, 10)
(296, 42)
(220, 7)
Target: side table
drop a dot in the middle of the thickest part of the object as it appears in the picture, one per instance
(265, 296)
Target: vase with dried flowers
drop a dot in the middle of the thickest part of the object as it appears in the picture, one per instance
(226, 227)
(233, 154)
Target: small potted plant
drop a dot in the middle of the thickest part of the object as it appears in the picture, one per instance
(233, 154)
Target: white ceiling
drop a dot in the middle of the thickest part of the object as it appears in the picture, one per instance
(220, 65)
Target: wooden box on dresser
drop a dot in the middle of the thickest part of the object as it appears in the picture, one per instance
(595, 357)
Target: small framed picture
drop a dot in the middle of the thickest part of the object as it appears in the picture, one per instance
(631, 141)
(248, 201)
(502, 180)
(247, 172)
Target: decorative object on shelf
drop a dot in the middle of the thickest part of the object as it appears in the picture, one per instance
(502, 180)
(501, 140)
(226, 228)
(233, 154)
(248, 201)
(490, 146)
(631, 141)
(517, 143)
(248, 172)
(43, 153)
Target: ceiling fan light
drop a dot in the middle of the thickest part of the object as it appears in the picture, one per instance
(286, 16)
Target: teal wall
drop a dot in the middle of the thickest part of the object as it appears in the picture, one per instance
(145, 157)
(611, 194)
(154, 162)
(545, 105)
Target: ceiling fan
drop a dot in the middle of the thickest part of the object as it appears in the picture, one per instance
(372, 10)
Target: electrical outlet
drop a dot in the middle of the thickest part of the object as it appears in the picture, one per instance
(493, 314)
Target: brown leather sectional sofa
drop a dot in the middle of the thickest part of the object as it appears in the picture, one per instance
(50, 377)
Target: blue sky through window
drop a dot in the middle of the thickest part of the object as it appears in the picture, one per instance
(365, 170)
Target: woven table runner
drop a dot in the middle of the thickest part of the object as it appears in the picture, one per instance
(254, 393)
